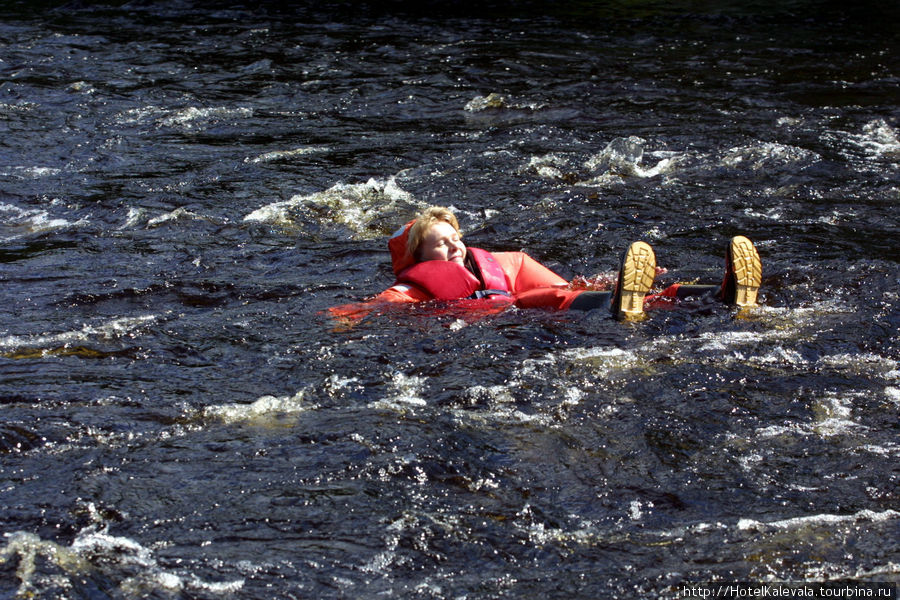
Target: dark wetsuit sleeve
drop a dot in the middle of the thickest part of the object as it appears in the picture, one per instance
(591, 300)
(685, 290)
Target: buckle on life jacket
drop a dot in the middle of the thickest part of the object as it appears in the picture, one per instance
(488, 293)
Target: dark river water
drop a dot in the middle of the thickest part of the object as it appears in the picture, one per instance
(185, 188)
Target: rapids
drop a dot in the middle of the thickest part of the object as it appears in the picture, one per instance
(185, 187)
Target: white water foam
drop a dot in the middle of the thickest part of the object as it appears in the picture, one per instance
(772, 347)
(589, 533)
(187, 117)
(863, 363)
(93, 549)
(498, 101)
(877, 139)
(265, 410)
(112, 330)
(17, 222)
(497, 403)
(549, 166)
(499, 406)
(615, 530)
(883, 450)
(407, 394)
(30, 172)
(606, 362)
(382, 561)
(279, 155)
(498, 394)
(831, 418)
(178, 214)
(821, 520)
(505, 415)
(622, 157)
(356, 206)
(893, 394)
(636, 509)
(136, 216)
(766, 155)
(184, 118)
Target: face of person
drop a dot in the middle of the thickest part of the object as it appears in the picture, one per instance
(442, 242)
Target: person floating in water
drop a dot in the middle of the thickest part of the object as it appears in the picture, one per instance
(431, 262)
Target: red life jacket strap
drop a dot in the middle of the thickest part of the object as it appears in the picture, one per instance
(491, 272)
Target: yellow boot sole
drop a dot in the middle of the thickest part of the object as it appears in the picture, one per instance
(637, 274)
(747, 271)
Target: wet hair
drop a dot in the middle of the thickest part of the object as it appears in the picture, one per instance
(424, 221)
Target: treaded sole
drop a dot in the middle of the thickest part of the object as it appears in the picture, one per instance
(638, 272)
(747, 271)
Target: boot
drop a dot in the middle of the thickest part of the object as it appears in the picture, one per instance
(743, 273)
(636, 273)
